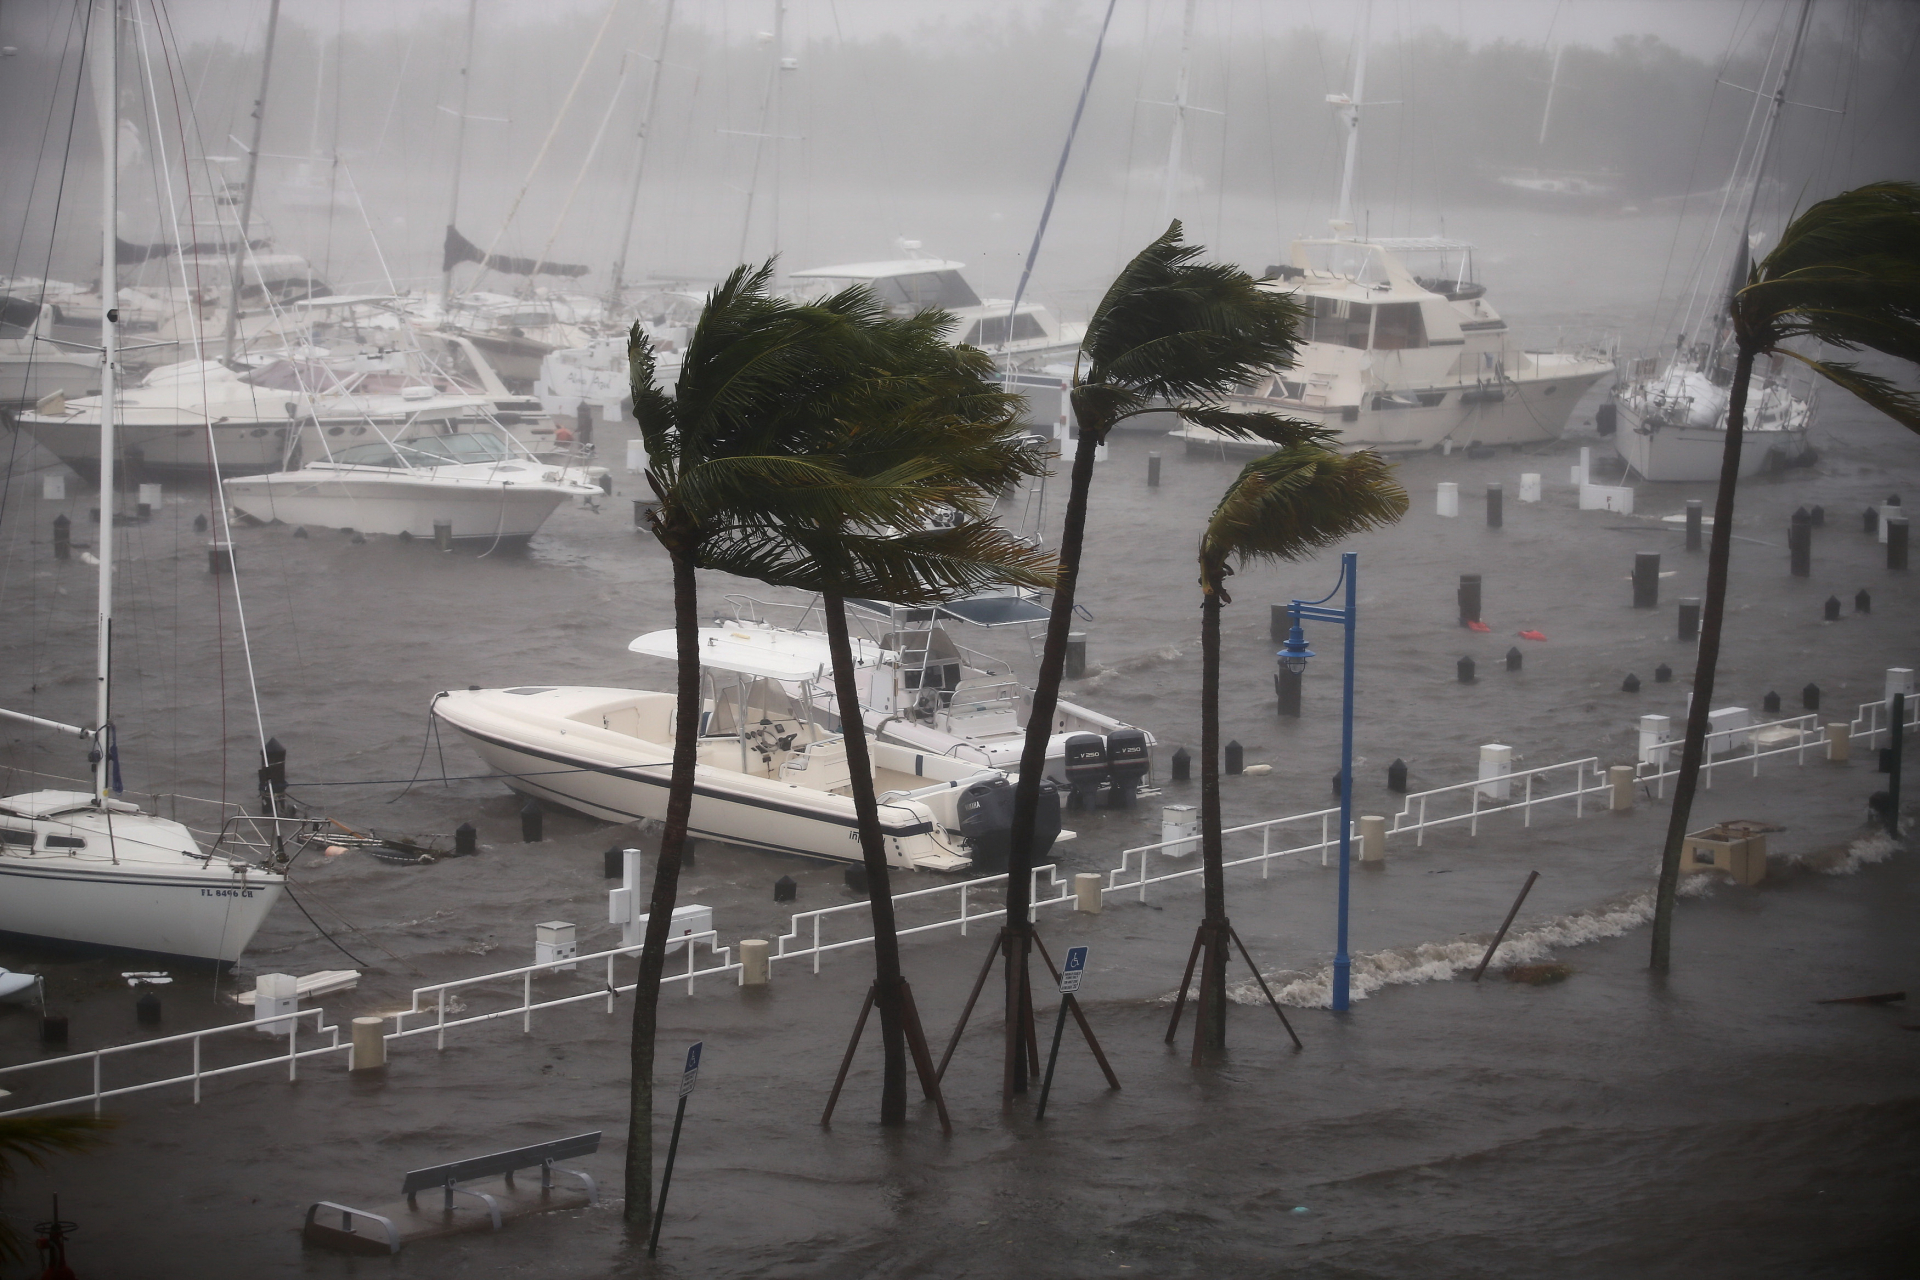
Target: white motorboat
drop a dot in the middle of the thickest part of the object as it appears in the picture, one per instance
(18, 988)
(87, 868)
(1399, 362)
(921, 689)
(772, 773)
(473, 481)
(1029, 338)
(32, 365)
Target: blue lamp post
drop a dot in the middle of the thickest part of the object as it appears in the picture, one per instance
(1293, 656)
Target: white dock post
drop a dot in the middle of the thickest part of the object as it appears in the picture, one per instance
(275, 995)
(623, 904)
(1620, 787)
(554, 940)
(1177, 822)
(1656, 740)
(1839, 742)
(1530, 486)
(636, 456)
(1496, 762)
(369, 1045)
(1086, 892)
(755, 970)
(53, 488)
(1447, 499)
(1373, 840)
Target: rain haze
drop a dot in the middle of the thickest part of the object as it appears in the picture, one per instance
(446, 177)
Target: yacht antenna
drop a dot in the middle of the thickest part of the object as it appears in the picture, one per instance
(1349, 105)
(253, 171)
(459, 148)
(106, 80)
(639, 167)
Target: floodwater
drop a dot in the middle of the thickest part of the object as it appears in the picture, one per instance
(1718, 1123)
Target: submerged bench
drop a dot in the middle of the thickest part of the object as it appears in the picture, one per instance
(407, 1220)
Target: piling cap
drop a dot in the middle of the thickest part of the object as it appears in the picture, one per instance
(1631, 684)
(1662, 674)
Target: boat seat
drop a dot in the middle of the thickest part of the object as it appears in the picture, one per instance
(822, 767)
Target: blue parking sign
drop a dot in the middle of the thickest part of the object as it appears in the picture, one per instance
(1070, 973)
(690, 1076)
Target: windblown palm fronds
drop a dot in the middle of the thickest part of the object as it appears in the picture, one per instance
(32, 1139)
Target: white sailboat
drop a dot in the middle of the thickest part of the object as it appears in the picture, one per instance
(81, 867)
(1670, 419)
(1402, 350)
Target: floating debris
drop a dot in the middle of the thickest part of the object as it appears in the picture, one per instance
(1539, 975)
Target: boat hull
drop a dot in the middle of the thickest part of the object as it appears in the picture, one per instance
(542, 749)
(378, 503)
(1693, 454)
(133, 889)
(169, 451)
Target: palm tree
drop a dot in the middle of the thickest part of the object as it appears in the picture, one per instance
(1846, 273)
(1170, 332)
(33, 1139)
(1280, 507)
(923, 428)
(753, 366)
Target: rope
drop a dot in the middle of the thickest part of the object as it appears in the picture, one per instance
(322, 930)
(552, 131)
(586, 163)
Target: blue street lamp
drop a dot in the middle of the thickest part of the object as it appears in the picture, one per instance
(1293, 656)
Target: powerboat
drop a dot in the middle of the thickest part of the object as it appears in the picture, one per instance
(1028, 339)
(472, 481)
(1403, 353)
(772, 770)
(32, 365)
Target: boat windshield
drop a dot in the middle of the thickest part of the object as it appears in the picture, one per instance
(906, 294)
(426, 451)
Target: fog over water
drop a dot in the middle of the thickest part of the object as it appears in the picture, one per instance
(1720, 1123)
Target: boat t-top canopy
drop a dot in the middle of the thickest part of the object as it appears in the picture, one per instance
(791, 657)
(980, 611)
(878, 270)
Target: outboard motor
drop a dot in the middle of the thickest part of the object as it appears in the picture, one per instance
(1606, 419)
(1046, 819)
(1086, 765)
(1128, 763)
(985, 810)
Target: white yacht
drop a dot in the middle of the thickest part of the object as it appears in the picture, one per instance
(1403, 352)
(1029, 338)
(473, 481)
(773, 771)
(32, 365)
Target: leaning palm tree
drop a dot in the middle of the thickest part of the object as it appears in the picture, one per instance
(754, 365)
(1170, 333)
(921, 430)
(1280, 507)
(1846, 273)
(33, 1139)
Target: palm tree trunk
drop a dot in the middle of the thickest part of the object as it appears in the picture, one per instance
(666, 884)
(1712, 612)
(1033, 756)
(1212, 1009)
(886, 942)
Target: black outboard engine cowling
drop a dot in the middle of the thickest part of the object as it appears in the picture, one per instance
(986, 820)
(1046, 820)
(1086, 765)
(1128, 763)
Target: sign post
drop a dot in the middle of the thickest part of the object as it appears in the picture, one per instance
(689, 1077)
(1070, 974)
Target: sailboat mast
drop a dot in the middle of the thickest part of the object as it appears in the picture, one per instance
(639, 166)
(459, 145)
(253, 170)
(1773, 115)
(1176, 143)
(1553, 82)
(106, 100)
(1350, 112)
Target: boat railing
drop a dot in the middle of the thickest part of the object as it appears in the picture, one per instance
(267, 839)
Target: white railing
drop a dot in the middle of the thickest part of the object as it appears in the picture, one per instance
(964, 903)
(968, 910)
(1484, 796)
(444, 996)
(96, 1060)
